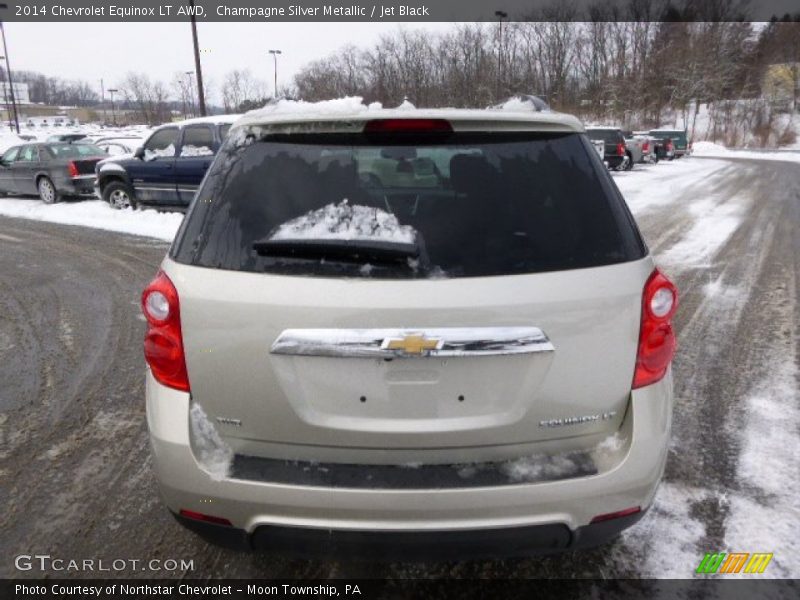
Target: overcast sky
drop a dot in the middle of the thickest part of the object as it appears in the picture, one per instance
(90, 51)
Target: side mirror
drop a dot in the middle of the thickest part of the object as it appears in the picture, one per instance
(139, 153)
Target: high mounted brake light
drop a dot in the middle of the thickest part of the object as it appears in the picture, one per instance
(408, 126)
(163, 342)
(656, 337)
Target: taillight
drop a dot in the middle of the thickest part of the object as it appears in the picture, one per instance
(669, 144)
(656, 337)
(408, 126)
(646, 147)
(72, 169)
(621, 149)
(163, 342)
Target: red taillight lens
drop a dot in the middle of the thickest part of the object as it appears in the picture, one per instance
(656, 338)
(669, 144)
(408, 126)
(196, 516)
(621, 149)
(72, 169)
(646, 147)
(163, 342)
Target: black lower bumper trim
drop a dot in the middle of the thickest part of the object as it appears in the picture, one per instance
(512, 542)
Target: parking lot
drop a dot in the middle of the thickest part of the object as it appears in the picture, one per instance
(75, 461)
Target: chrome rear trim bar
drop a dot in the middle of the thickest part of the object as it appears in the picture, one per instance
(412, 342)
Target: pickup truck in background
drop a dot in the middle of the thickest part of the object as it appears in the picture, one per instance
(642, 145)
(616, 154)
(634, 146)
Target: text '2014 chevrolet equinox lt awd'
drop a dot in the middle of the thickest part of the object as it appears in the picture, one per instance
(408, 332)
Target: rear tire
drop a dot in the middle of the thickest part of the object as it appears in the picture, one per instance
(119, 195)
(47, 191)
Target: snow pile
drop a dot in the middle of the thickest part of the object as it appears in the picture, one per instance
(7, 140)
(346, 222)
(158, 152)
(211, 451)
(346, 105)
(716, 150)
(96, 214)
(541, 466)
(189, 150)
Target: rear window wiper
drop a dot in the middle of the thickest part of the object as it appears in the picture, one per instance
(356, 251)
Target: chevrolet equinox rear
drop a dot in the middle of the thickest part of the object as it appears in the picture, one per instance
(419, 333)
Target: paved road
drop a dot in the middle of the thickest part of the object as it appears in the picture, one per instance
(74, 460)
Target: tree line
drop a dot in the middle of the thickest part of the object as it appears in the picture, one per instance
(624, 67)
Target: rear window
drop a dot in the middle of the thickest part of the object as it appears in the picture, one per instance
(610, 136)
(73, 150)
(463, 205)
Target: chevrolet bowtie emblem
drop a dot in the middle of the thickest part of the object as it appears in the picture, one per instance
(415, 344)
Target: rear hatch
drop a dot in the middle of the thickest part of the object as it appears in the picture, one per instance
(452, 291)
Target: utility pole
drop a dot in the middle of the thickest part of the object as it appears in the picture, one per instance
(103, 99)
(5, 100)
(275, 64)
(113, 112)
(200, 94)
(8, 67)
(500, 16)
(191, 102)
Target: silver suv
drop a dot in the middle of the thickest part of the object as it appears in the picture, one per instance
(408, 332)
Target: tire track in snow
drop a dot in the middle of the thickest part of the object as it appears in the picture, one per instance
(715, 323)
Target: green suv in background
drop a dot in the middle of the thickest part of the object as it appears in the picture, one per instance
(680, 140)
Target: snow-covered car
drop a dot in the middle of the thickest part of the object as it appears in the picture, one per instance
(168, 168)
(51, 170)
(466, 353)
(119, 146)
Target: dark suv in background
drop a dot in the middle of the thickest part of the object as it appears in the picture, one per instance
(615, 154)
(168, 168)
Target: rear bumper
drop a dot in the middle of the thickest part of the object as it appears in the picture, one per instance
(411, 545)
(82, 186)
(522, 518)
(614, 161)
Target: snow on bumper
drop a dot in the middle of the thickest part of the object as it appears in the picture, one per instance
(632, 481)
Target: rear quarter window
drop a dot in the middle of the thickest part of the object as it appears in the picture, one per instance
(472, 205)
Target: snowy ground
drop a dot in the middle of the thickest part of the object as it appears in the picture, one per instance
(710, 149)
(724, 230)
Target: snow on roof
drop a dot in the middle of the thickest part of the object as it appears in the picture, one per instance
(353, 108)
(214, 120)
